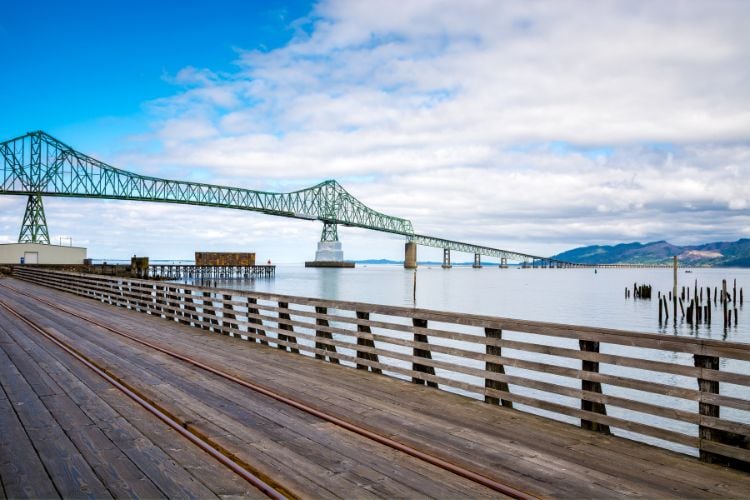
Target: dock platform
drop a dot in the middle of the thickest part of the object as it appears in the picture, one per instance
(66, 432)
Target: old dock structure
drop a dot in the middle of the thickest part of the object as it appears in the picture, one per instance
(330, 398)
(196, 272)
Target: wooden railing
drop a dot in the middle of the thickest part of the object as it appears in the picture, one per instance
(690, 395)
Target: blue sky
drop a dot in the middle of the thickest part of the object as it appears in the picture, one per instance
(73, 66)
(533, 126)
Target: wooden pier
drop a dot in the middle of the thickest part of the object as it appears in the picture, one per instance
(185, 271)
(71, 434)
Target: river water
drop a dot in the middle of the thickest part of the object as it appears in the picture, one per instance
(573, 296)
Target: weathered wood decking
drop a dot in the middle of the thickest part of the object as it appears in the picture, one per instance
(78, 435)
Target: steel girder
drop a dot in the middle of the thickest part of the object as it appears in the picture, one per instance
(38, 164)
(458, 246)
(34, 226)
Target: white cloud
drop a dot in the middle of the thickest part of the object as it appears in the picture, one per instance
(515, 124)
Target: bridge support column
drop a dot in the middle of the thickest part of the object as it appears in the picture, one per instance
(329, 252)
(477, 261)
(447, 258)
(34, 226)
(410, 255)
(504, 263)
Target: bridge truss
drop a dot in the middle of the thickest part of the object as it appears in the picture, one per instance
(37, 165)
(503, 255)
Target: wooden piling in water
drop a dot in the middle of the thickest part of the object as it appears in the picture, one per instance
(724, 300)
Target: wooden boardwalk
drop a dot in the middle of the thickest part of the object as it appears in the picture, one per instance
(66, 432)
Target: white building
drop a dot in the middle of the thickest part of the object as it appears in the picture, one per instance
(38, 253)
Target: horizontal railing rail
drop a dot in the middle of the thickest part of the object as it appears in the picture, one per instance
(687, 394)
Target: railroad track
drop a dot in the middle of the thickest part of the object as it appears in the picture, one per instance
(266, 485)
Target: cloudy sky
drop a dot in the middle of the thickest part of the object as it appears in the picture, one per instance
(532, 126)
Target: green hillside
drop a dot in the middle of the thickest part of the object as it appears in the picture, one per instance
(717, 254)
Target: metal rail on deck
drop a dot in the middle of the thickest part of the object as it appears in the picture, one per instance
(232, 463)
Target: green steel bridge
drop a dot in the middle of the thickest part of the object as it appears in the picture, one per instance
(37, 165)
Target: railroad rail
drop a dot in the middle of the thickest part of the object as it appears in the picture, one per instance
(241, 469)
(654, 388)
(270, 488)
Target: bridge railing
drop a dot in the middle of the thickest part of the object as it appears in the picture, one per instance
(689, 395)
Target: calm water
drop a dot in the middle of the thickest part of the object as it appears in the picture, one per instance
(575, 296)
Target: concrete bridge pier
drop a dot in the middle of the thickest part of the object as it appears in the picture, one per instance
(504, 263)
(447, 258)
(410, 255)
(329, 252)
(477, 261)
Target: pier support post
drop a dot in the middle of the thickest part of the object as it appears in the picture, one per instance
(329, 252)
(446, 258)
(477, 261)
(504, 263)
(590, 386)
(410, 255)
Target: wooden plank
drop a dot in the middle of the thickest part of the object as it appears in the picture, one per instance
(63, 463)
(22, 473)
(191, 389)
(701, 396)
(125, 463)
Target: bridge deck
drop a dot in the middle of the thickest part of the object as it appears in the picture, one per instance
(71, 432)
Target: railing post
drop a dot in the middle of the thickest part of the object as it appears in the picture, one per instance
(590, 386)
(171, 311)
(188, 308)
(255, 321)
(366, 341)
(705, 432)
(208, 308)
(287, 327)
(160, 300)
(324, 335)
(228, 314)
(422, 353)
(706, 409)
(492, 367)
(151, 306)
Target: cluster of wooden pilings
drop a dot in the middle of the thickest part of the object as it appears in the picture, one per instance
(695, 306)
(639, 291)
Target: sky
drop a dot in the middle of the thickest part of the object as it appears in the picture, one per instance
(525, 125)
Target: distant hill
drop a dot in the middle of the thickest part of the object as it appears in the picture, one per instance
(718, 254)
